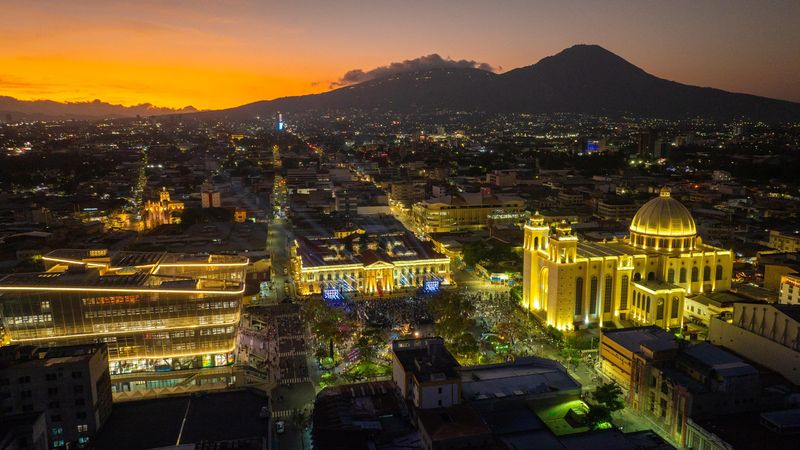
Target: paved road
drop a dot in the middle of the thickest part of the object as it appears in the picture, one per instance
(474, 283)
(296, 390)
(277, 237)
(287, 399)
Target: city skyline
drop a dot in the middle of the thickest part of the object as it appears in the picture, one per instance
(213, 56)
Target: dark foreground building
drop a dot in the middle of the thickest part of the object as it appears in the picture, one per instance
(70, 385)
(231, 419)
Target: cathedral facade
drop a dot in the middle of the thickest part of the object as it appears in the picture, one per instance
(643, 278)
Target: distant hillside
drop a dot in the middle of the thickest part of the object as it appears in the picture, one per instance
(581, 79)
(48, 110)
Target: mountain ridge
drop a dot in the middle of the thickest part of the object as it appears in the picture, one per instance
(584, 78)
(96, 109)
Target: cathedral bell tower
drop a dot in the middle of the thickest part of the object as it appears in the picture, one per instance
(535, 244)
(563, 248)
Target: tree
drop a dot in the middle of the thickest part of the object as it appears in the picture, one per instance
(464, 344)
(610, 396)
(452, 314)
(596, 417)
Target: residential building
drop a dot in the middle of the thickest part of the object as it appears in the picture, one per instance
(425, 372)
(70, 384)
(570, 198)
(790, 289)
(25, 431)
(671, 382)
(700, 308)
(502, 178)
(363, 415)
(407, 192)
(621, 349)
(787, 242)
(615, 208)
(210, 197)
(748, 431)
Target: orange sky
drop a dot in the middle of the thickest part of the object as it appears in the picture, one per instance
(215, 54)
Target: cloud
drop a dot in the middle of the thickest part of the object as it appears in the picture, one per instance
(432, 61)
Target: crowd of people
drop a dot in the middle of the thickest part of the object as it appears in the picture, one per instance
(390, 312)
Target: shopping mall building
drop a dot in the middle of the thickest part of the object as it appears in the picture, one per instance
(169, 320)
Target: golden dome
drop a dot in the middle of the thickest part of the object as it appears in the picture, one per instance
(664, 217)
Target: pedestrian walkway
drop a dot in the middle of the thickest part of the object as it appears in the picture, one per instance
(295, 380)
(282, 414)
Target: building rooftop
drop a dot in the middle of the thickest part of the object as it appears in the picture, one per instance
(98, 270)
(590, 249)
(427, 358)
(365, 249)
(719, 299)
(474, 199)
(171, 421)
(524, 377)
(26, 356)
(632, 338)
(455, 422)
(713, 356)
(362, 415)
(749, 431)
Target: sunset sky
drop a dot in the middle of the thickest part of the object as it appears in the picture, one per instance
(216, 54)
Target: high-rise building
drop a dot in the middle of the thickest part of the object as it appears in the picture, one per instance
(647, 144)
(279, 125)
(70, 384)
(158, 312)
(210, 197)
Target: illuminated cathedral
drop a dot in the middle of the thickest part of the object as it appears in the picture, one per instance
(644, 278)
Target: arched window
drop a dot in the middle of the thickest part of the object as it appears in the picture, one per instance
(637, 277)
(660, 309)
(706, 273)
(579, 296)
(695, 274)
(683, 275)
(623, 295)
(535, 242)
(651, 276)
(608, 291)
(674, 309)
(719, 272)
(647, 305)
(593, 296)
(671, 275)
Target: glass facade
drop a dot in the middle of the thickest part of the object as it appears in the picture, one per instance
(172, 313)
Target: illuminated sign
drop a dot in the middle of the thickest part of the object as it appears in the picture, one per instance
(331, 294)
(432, 286)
